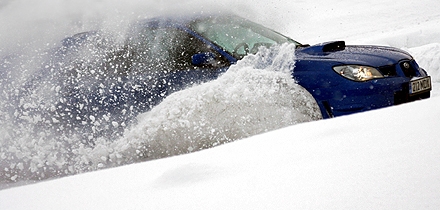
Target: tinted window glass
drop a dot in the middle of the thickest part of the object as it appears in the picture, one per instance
(167, 49)
(236, 35)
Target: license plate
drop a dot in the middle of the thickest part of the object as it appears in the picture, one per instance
(420, 85)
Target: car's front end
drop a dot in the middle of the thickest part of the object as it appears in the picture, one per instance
(343, 79)
(350, 79)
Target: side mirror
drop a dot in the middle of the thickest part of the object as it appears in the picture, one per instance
(202, 59)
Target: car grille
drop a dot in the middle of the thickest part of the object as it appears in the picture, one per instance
(408, 68)
(388, 71)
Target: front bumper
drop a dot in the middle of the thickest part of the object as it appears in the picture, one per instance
(369, 96)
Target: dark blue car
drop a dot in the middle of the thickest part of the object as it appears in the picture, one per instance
(164, 55)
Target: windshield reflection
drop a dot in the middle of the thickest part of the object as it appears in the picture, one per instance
(238, 36)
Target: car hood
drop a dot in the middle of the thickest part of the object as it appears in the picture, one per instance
(353, 54)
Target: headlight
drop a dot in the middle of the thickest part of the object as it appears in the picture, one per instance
(358, 73)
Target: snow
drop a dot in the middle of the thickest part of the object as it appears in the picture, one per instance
(351, 164)
(183, 122)
(382, 159)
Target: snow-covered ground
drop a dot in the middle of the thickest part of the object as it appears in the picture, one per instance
(383, 159)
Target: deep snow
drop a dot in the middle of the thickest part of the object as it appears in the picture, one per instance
(374, 160)
(350, 163)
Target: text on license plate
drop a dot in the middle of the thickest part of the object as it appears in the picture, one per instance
(420, 85)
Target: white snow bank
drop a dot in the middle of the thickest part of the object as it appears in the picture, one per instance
(414, 34)
(382, 159)
(428, 57)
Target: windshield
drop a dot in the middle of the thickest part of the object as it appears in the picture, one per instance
(238, 36)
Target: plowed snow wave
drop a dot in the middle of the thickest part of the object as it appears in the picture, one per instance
(252, 97)
(256, 95)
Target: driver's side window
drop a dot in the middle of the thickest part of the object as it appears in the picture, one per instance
(170, 49)
(236, 39)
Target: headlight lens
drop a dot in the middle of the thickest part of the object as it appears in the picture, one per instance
(358, 73)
